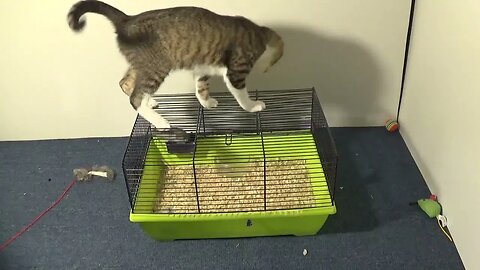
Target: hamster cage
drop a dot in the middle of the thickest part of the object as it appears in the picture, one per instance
(249, 174)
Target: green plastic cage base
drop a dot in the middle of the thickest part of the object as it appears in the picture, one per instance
(211, 150)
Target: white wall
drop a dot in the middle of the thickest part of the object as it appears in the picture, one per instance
(57, 84)
(440, 113)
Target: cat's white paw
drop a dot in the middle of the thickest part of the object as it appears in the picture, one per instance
(256, 106)
(210, 103)
(152, 103)
(161, 126)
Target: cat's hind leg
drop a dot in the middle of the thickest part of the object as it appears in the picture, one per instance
(236, 84)
(202, 87)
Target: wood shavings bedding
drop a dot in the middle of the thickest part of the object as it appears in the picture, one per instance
(220, 190)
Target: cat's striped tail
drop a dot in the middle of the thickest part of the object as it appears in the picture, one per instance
(77, 23)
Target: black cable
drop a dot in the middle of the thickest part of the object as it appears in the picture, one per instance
(407, 48)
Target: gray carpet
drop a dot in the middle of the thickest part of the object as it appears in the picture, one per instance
(375, 228)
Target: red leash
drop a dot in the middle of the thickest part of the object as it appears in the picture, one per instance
(36, 219)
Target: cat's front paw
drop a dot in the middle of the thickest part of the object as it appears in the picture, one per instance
(152, 103)
(256, 106)
(210, 103)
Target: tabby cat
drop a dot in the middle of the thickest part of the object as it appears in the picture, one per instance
(207, 44)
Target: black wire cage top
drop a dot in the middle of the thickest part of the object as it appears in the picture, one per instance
(279, 159)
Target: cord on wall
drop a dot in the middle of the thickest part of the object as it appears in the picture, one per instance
(407, 48)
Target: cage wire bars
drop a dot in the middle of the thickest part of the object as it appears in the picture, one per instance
(278, 159)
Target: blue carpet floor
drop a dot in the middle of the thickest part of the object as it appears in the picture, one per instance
(375, 228)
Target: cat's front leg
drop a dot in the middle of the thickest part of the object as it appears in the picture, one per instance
(127, 83)
(142, 101)
(235, 82)
(202, 92)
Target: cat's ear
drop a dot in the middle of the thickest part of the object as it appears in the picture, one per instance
(127, 83)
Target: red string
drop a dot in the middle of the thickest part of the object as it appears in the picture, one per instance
(36, 219)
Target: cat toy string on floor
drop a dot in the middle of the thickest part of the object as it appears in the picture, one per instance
(433, 209)
(80, 174)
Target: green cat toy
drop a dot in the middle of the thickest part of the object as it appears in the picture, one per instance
(431, 207)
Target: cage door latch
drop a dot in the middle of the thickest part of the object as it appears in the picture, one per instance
(228, 139)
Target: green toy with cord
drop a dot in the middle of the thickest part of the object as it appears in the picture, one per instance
(433, 209)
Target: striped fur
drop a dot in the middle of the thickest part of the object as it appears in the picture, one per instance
(157, 42)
